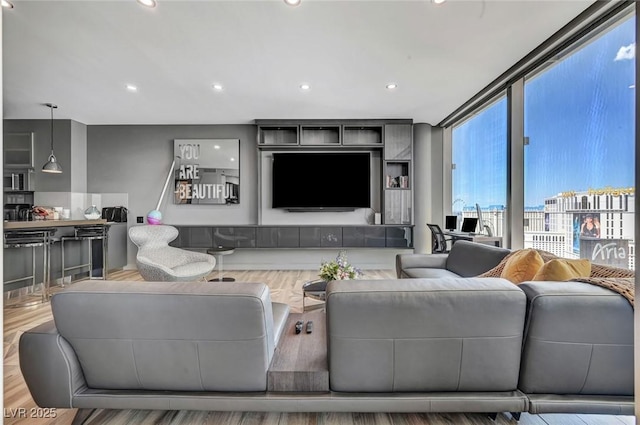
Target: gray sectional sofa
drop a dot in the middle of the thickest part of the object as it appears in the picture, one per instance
(577, 353)
(401, 345)
(465, 259)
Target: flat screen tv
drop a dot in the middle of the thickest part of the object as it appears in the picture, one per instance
(321, 181)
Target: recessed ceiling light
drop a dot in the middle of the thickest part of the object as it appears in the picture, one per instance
(305, 86)
(292, 2)
(148, 3)
(217, 87)
(391, 86)
(438, 1)
(216, 146)
(232, 159)
(131, 87)
(6, 4)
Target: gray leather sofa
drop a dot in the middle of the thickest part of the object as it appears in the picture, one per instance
(393, 346)
(577, 355)
(578, 350)
(152, 345)
(401, 345)
(465, 259)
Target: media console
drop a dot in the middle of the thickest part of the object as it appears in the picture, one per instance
(260, 236)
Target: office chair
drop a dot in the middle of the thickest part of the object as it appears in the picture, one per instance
(439, 239)
(157, 261)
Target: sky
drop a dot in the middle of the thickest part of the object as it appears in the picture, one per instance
(579, 117)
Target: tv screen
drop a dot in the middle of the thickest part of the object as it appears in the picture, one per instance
(321, 181)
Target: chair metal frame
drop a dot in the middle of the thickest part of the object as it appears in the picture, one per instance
(439, 239)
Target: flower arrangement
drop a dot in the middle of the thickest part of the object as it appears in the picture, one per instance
(339, 269)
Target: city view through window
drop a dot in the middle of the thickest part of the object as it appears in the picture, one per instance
(579, 154)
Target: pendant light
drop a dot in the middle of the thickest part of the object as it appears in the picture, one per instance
(52, 165)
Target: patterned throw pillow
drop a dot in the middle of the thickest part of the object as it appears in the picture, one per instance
(522, 266)
(562, 269)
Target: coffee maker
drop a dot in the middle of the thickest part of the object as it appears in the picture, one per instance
(17, 212)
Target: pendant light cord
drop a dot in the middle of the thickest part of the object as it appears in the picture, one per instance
(51, 107)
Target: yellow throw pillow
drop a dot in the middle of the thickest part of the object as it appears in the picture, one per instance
(522, 265)
(564, 269)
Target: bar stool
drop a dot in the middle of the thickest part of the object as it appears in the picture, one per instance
(32, 239)
(87, 233)
(219, 252)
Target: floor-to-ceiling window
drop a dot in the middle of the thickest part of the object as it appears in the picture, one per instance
(479, 176)
(579, 160)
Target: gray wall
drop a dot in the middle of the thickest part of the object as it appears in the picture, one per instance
(136, 159)
(43, 182)
(428, 163)
(78, 157)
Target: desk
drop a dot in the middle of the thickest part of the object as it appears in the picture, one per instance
(489, 240)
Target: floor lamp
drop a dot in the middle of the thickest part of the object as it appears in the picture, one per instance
(155, 216)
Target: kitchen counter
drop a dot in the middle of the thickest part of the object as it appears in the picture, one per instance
(38, 224)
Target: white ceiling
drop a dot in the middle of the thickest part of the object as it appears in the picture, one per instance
(81, 54)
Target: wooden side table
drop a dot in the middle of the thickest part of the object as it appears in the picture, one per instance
(299, 363)
(219, 252)
(316, 290)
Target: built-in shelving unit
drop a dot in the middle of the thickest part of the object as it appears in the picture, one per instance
(398, 175)
(392, 140)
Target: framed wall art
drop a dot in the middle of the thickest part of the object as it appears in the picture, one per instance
(207, 171)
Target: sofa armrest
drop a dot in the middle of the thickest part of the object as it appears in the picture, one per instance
(50, 367)
(419, 261)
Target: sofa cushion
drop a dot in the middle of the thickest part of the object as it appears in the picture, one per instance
(468, 259)
(562, 269)
(522, 266)
(427, 273)
(497, 270)
(414, 335)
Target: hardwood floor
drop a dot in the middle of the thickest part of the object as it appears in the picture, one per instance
(19, 408)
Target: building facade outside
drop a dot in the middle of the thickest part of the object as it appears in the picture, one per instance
(597, 224)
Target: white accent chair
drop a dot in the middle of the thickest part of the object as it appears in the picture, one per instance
(157, 261)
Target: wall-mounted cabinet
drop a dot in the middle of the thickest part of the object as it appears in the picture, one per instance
(320, 135)
(285, 135)
(397, 206)
(398, 141)
(363, 135)
(347, 134)
(254, 236)
(18, 150)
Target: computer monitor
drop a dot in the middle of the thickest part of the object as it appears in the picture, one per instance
(469, 225)
(451, 222)
(480, 221)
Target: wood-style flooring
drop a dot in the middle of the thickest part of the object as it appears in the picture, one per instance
(285, 286)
